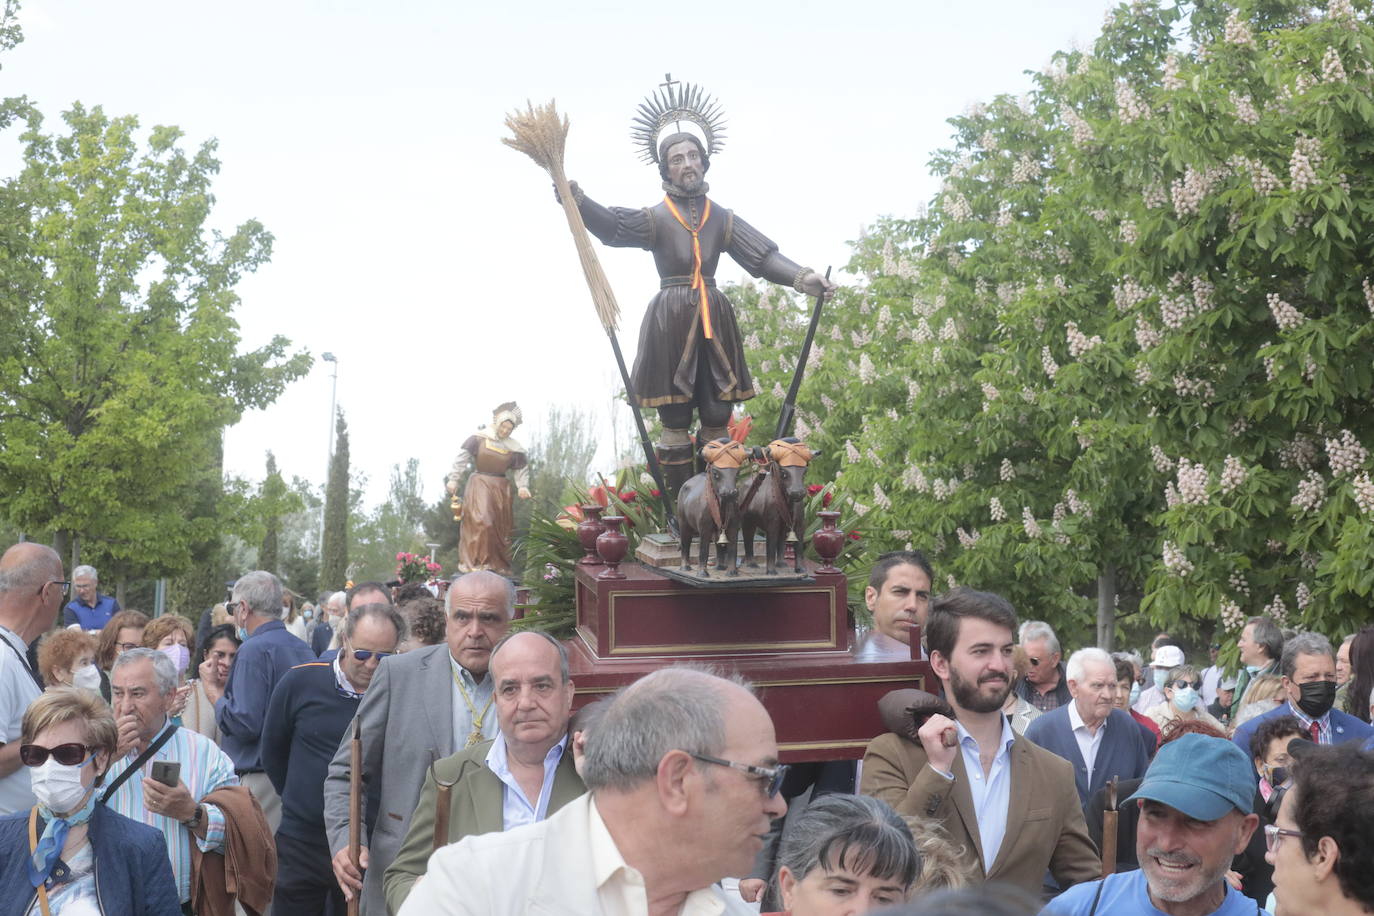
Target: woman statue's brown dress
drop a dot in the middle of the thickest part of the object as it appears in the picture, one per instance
(493, 457)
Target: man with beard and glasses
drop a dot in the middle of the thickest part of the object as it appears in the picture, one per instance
(1009, 803)
(1195, 815)
(1308, 665)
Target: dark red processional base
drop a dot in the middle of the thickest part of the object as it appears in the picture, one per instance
(791, 640)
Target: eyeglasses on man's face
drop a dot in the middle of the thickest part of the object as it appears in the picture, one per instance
(66, 586)
(771, 777)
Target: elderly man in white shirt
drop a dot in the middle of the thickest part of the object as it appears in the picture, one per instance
(683, 776)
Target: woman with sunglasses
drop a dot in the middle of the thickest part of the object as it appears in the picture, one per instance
(1182, 700)
(71, 854)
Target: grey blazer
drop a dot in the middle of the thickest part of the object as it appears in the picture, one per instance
(407, 721)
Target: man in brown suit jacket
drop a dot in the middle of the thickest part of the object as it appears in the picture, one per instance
(1019, 815)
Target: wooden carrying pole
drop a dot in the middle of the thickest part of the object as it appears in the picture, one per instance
(1109, 818)
(443, 798)
(355, 806)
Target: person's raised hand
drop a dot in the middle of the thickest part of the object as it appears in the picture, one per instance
(939, 753)
(751, 889)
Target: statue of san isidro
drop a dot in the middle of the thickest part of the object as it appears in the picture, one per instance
(691, 353)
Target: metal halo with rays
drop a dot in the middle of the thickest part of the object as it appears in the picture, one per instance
(675, 102)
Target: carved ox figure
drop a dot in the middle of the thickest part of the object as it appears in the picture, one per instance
(776, 503)
(708, 506)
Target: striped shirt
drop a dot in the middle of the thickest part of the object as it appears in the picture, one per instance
(204, 768)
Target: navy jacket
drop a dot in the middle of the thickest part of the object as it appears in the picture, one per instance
(266, 655)
(133, 876)
(1122, 753)
(1026, 690)
(90, 618)
(306, 722)
(1344, 727)
(321, 638)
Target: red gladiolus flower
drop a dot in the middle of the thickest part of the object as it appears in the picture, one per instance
(826, 501)
(628, 496)
(854, 535)
(655, 493)
(814, 488)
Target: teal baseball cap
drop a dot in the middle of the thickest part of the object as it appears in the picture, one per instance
(1201, 776)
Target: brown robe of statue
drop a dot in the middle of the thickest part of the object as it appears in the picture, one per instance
(488, 515)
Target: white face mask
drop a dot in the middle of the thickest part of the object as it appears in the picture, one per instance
(58, 787)
(87, 677)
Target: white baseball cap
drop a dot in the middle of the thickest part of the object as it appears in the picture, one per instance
(1167, 657)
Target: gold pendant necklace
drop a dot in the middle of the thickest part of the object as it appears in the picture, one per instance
(476, 736)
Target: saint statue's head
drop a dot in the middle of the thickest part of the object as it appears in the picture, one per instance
(682, 160)
(505, 418)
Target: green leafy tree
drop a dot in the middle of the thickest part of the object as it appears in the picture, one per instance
(273, 493)
(119, 362)
(395, 526)
(334, 551)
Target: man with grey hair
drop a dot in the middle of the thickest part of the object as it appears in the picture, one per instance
(1044, 685)
(269, 650)
(1100, 740)
(89, 609)
(421, 706)
(333, 610)
(31, 591)
(522, 776)
(308, 715)
(1308, 666)
(143, 685)
(1260, 644)
(683, 775)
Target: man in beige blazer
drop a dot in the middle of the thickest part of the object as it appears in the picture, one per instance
(1011, 805)
(522, 776)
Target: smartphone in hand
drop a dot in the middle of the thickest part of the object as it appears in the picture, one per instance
(167, 772)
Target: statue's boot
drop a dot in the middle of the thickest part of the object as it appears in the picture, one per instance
(677, 464)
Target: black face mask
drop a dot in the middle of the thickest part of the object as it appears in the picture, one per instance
(1316, 697)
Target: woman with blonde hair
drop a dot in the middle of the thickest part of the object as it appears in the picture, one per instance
(1264, 693)
(1020, 712)
(50, 855)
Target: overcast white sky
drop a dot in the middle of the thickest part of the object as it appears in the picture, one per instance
(431, 259)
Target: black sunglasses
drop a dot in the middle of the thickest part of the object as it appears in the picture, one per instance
(1180, 684)
(69, 755)
(772, 776)
(363, 655)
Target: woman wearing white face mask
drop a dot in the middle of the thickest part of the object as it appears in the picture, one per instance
(51, 855)
(67, 659)
(1183, 700)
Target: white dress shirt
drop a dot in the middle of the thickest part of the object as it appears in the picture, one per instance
(1088, 742)
(516, 809)
(620, 888)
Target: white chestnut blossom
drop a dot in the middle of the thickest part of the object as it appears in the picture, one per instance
(1047, 361)
(873, 457)
(1332, 71)
(1007, 471)
(1128, 294)
(1082, 130)
(967, 540)
(1146, 337)
(1239, 583)
(1231, 617)
(1345, 455)
(1079, 343)
(1025, 169)
(1301, 453)
(1285, 315)
(1163, 463)
(1302, 165)
(1368, 293)
(1129, 106)
(1129, 234)
(1277, 610)
(1238, 31)
(914, 479)
(1029, 524)
(1246, 113)
(880, 498)
(851, 454)
(1175, 561)
(1171, 78)
(866, 371)
(1304, 596)
(1311, 492)
(999, 514)
(1192, 482)
(1233, 474)
(1364, 493)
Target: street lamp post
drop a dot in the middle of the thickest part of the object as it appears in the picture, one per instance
(329, 454)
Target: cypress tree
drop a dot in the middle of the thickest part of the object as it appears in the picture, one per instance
(334, 565)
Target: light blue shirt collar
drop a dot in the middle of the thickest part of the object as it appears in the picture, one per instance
(516, 809)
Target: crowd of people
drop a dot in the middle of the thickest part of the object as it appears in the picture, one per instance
(146, 768)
